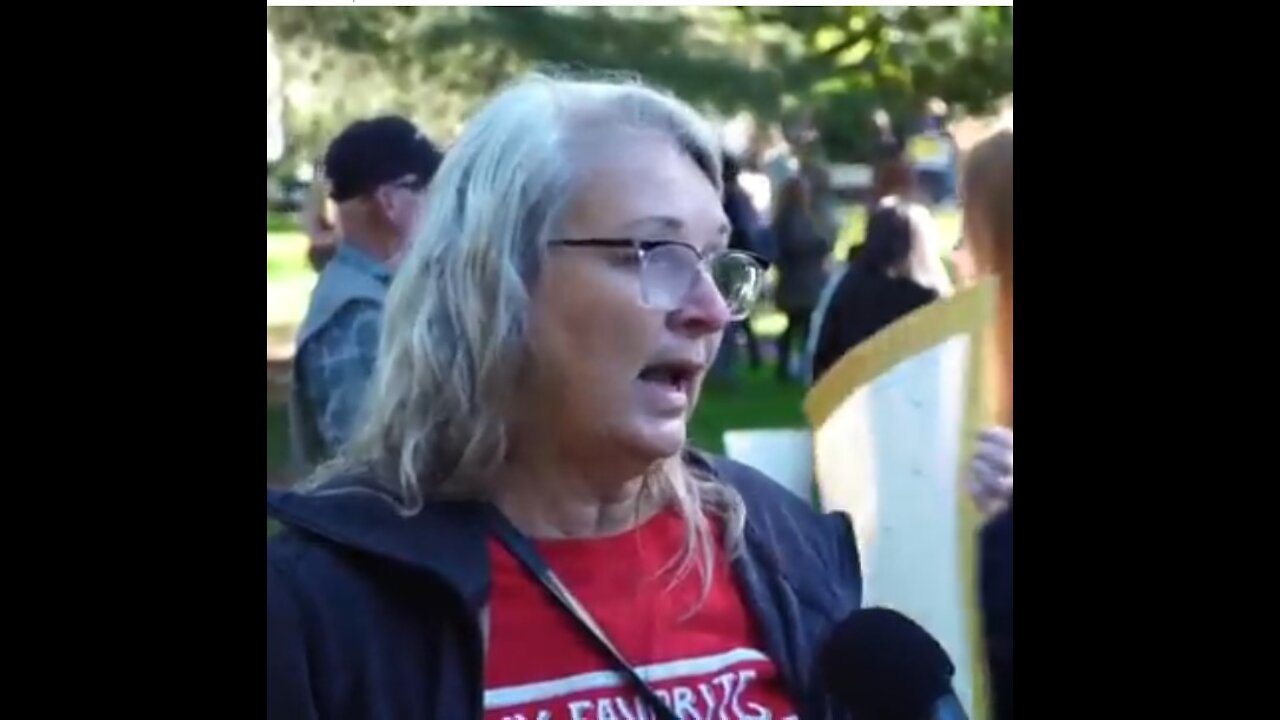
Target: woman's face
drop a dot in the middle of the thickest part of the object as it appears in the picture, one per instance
(614, 378)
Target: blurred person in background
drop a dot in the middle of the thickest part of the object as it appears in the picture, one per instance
(804, 256)
(318, 221)
(893, 185)
(987, 200)
(823, 202)
(778, 163)
(933, 153)
(893, 179)
(746, 233)
(892, 176)
(892, 276)
(377, 171)
(521, 508)
(886, 144)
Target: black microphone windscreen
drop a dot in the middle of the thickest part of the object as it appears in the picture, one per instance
(883, 666)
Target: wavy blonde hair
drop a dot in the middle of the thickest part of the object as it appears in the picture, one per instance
(454, 342)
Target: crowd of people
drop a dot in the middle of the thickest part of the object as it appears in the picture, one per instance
(502, 517)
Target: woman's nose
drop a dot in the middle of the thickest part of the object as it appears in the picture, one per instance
(704, 309)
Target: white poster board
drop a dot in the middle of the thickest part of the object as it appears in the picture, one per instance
(894, 423)
(785, 455)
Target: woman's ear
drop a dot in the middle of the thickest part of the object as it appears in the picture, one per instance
(386, 199)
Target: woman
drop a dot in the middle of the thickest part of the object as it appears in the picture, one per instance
(897, 271)
(520, 502)
(987, 198)
(892, 177)
(803, 258)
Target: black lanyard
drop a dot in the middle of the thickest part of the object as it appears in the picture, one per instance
(524, 551)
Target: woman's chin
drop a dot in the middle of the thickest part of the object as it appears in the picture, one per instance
(658, 439)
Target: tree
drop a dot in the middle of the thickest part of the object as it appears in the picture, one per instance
(838, 62)
(855, 58)
(473, 50)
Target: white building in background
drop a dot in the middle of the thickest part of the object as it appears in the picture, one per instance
(275, 104)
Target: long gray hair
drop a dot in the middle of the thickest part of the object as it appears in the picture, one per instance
(455, 342)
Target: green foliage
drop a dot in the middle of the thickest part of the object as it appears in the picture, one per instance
(856, 58)
(662, 45)
(436, 63)
(340, 64)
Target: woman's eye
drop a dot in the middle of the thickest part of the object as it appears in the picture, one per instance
(625, 259)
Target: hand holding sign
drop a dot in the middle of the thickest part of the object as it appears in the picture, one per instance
(990, 479)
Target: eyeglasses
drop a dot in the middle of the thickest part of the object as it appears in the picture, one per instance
(669, 271)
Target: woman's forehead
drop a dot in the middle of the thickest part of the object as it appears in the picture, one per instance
(646, 188)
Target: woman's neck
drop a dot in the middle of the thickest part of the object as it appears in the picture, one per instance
(558, 504)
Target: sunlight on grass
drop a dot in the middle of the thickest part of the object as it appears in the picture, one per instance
(287, 299)
(769, 323)
(286, 255)
(289, 279)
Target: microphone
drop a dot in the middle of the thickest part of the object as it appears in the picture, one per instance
(881, 665)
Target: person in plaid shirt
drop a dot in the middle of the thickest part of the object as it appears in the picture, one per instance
(378, 171)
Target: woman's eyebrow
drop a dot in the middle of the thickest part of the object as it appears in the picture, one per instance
(661, 223)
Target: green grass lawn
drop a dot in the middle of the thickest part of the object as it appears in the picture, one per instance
(289, 278)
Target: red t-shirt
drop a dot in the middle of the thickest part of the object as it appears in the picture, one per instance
(542, 666)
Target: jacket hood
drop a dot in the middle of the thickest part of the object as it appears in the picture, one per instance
(445, 539)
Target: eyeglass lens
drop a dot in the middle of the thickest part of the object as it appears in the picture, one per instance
(670, 272)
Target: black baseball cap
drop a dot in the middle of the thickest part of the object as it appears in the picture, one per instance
(370, 153)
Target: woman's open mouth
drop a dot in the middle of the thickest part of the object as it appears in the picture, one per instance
(670, 383)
